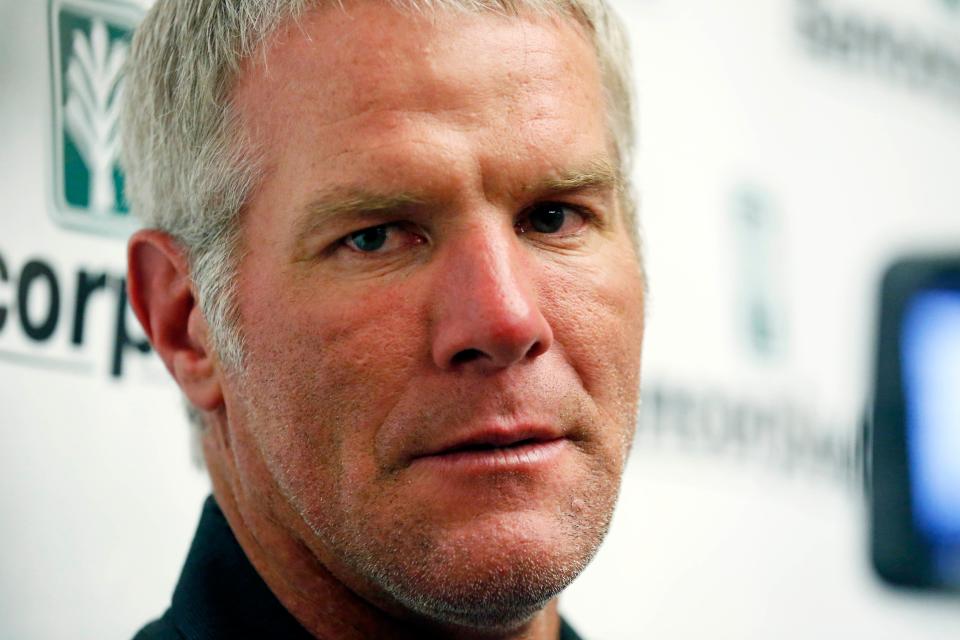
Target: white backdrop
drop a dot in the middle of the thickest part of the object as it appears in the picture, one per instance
(789, 149)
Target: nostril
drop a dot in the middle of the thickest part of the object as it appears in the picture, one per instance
(467, 355)
(537, 349)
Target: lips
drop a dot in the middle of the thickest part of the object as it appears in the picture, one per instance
(494, 439)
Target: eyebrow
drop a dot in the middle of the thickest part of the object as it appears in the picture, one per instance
(328, 205)
(595, 175)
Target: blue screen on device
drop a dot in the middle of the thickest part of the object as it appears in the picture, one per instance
(930, 352)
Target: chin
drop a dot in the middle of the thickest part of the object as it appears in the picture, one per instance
(495, 574)
(498, 596)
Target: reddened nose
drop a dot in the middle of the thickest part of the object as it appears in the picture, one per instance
(488, 313)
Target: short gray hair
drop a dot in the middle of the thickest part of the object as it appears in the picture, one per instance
(189, 168)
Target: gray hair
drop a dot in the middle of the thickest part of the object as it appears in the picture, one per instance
(189, 168)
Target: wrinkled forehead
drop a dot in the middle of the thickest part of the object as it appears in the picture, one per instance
(336, 63)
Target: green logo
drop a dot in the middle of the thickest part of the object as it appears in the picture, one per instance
(759, 264)
(89, 44)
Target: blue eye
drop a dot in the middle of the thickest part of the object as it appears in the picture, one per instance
(548, 218)
(552, 218)
(383, 239)
(368, 240)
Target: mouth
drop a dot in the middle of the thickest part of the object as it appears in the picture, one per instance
(497, 450)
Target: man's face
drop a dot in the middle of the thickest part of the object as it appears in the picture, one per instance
(441, 306)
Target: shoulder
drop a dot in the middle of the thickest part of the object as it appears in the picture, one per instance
(567, 632)
(161, 629)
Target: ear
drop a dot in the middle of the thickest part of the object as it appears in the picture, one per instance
(162, 295)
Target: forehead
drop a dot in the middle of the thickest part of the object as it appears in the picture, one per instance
(367, 64)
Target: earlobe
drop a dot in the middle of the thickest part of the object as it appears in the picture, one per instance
(163, 298)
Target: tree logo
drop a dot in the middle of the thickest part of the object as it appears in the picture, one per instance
(89, 44)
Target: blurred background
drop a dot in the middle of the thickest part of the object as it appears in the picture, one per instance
(790, 151)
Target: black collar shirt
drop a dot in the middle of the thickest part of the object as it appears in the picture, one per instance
(221, 597)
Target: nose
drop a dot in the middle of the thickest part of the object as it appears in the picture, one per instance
(487, 313)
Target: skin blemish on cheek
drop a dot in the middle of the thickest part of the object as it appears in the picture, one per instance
(578, 505)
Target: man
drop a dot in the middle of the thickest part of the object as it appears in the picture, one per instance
(389, 260)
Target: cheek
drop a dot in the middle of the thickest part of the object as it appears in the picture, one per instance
(596, 311)
(323, 374)
(336, 342)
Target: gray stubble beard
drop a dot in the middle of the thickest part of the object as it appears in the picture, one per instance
(409, 567)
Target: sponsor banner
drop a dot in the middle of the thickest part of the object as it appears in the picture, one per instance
(789, 149)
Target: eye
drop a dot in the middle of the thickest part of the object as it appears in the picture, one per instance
(382, 238)
(368, 240)
(551, 218)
